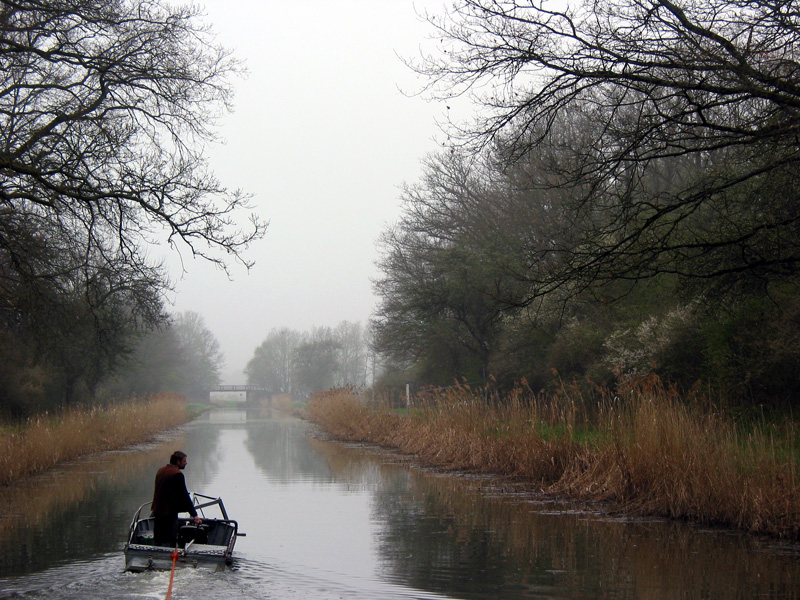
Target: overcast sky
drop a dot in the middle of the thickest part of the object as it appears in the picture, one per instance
(323, 137)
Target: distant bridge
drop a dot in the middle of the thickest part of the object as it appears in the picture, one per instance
(238, 388)
(253, 393)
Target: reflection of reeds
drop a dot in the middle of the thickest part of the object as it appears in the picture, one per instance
(34, 500)
(46, 441)
(646, 450)
(430, 523)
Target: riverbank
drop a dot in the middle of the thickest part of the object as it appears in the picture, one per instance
(43, 442)
(645, 450)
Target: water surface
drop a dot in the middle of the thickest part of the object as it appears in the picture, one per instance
(327, 520)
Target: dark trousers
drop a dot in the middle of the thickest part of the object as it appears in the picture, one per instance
(165, 530)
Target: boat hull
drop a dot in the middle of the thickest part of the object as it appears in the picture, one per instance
(139, 557)
(208, 545)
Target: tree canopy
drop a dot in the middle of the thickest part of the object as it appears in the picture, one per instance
(672, 124)
(625, 198)
(106, 109)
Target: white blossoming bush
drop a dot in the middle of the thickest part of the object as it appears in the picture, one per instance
(634, 352)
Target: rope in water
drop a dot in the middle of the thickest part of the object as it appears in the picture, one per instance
(174, 557)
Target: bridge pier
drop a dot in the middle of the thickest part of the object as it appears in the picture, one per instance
(254, 397)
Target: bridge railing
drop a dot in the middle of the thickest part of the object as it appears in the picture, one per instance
(237, 388)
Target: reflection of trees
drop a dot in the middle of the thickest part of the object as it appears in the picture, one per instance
(446, 534)
(204, 455)
(280, 449)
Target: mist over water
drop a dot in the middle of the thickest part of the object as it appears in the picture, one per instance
(327, 520)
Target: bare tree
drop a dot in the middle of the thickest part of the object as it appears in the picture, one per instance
(687, 115)
(106, 109)
(443, 287)
(352, 339)
(316, 361)
(271, 364)
(688, 66)
(203, 359)
(303, 362)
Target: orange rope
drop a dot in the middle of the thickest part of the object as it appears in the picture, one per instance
(174, 557)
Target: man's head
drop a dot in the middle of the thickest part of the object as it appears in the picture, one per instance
(178, 459)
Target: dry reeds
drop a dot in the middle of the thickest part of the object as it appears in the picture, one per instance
(47, 440)
(646, 450)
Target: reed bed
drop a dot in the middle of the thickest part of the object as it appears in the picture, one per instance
(48, 440)
(645, 450)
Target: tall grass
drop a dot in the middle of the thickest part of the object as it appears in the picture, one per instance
(47, 440)
(645, 449)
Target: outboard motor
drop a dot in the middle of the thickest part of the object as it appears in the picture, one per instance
(193, 533)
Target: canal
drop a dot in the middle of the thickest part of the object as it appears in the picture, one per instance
(327, 520)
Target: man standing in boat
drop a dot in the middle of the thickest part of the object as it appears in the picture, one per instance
(170, 497)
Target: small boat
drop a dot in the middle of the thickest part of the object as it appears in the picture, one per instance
(207, 545)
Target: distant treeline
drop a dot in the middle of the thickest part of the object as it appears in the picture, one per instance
(180, 356)
(303, 362)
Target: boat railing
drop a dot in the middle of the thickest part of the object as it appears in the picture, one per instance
(135, 521)
(211, 502)
(197, 505)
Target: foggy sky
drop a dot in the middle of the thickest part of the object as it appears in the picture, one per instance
(323, 138)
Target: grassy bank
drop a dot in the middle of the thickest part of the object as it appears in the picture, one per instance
(646, 450)
(42, 443)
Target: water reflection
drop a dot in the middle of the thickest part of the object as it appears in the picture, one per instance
(205, 452)
(458, 536)
(76, 511)
(82, 509)
(279, 449)
(327, 520)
